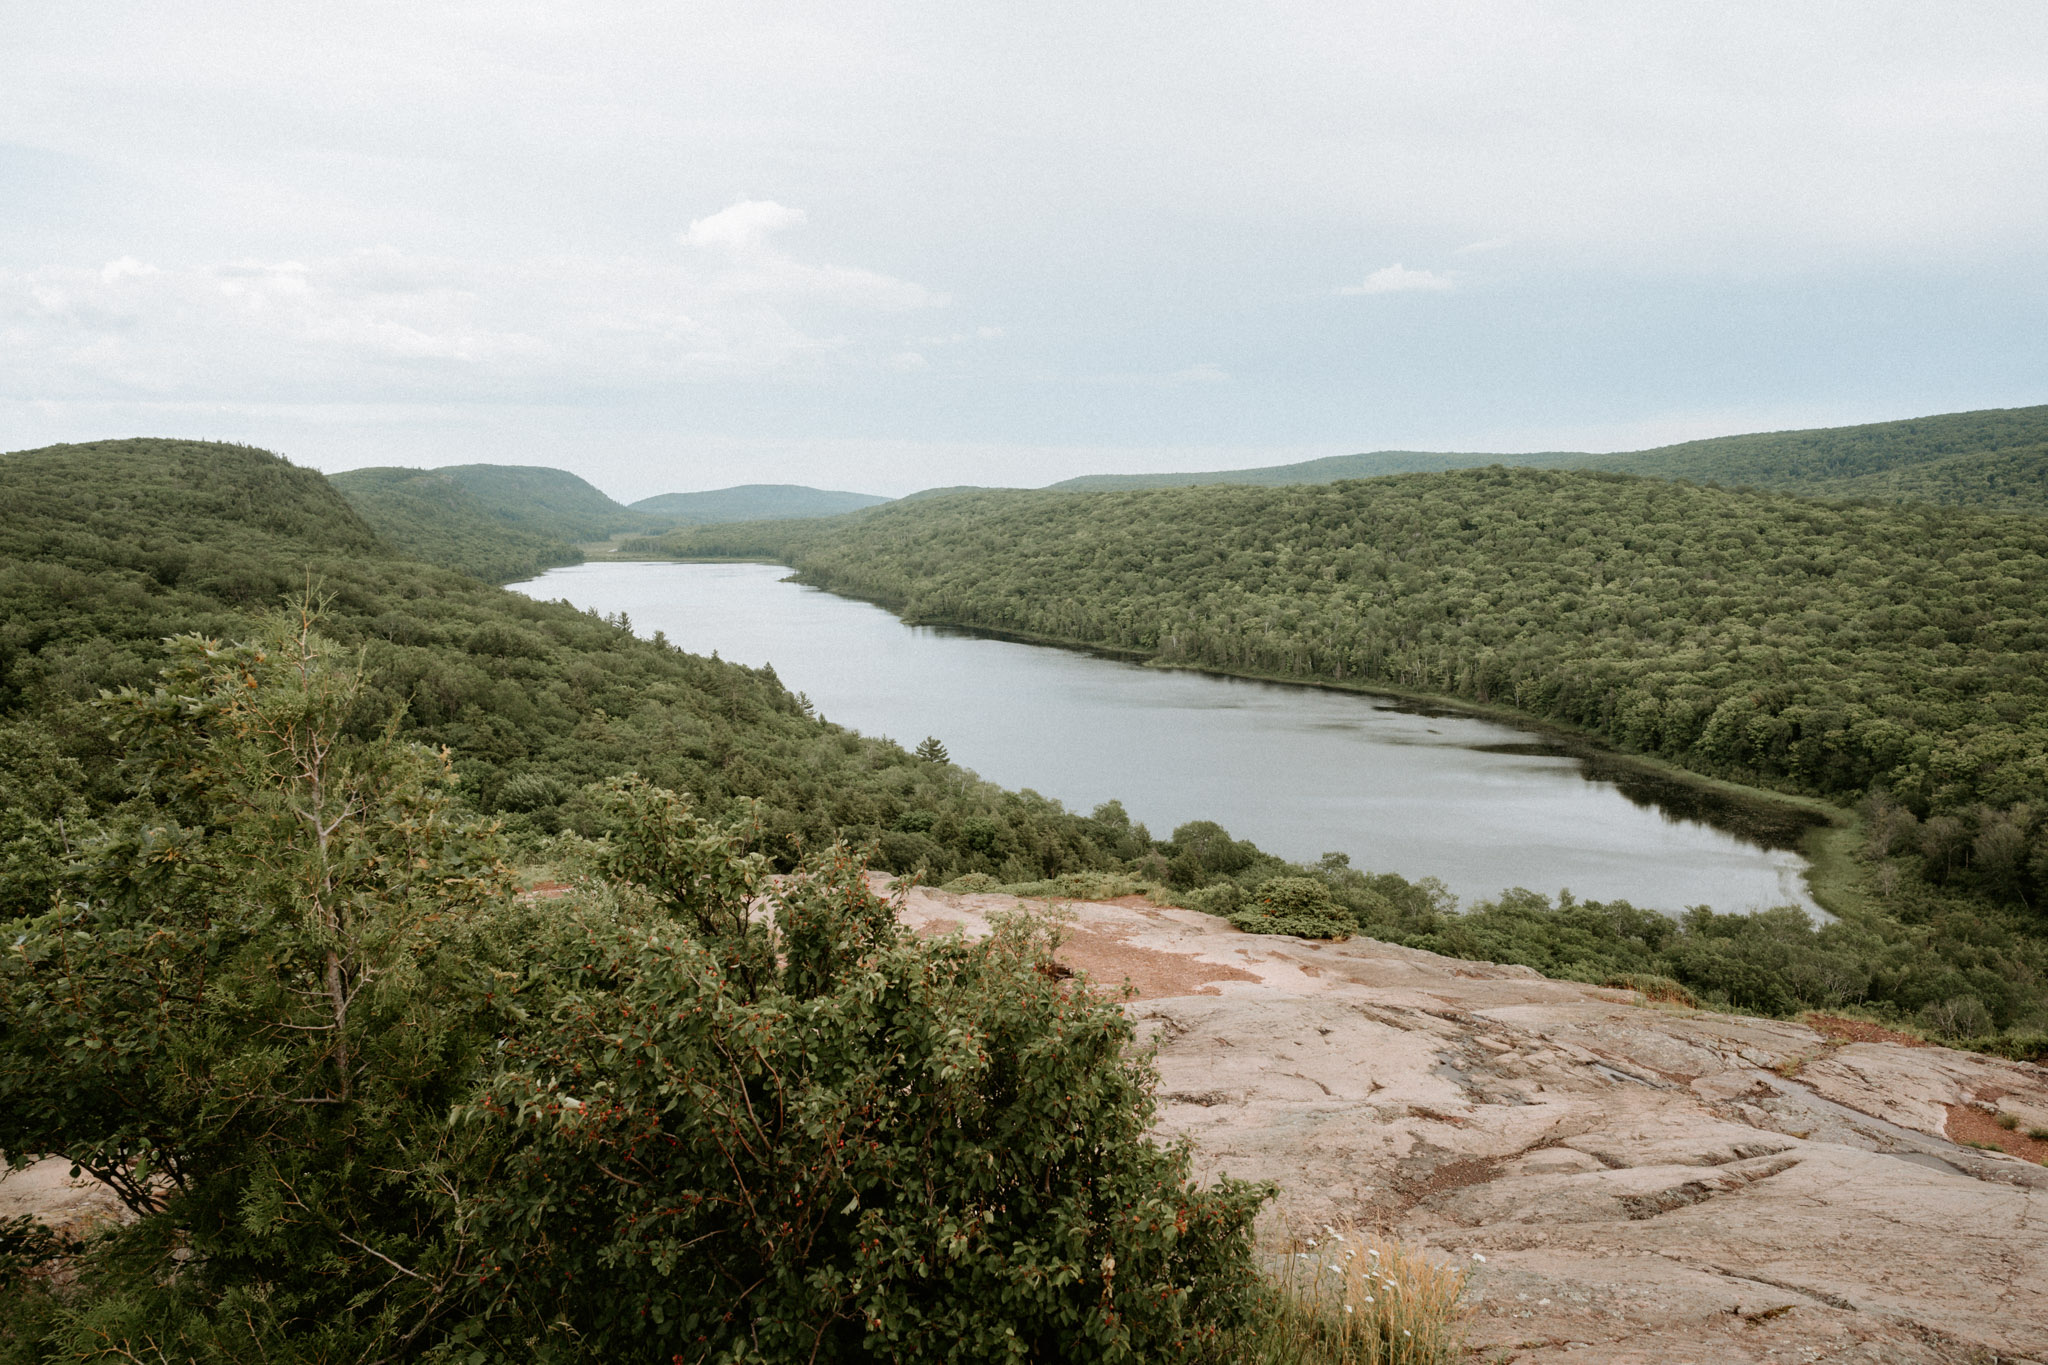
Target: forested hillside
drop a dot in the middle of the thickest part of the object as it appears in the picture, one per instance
(753, 502)
(491, 521)
(552, 501)
(1996, 460)
(426, 514)
(110, 548)
(1835, 650)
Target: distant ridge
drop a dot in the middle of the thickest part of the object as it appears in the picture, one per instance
(753, 502)
(1996, 459)
(1329, 469)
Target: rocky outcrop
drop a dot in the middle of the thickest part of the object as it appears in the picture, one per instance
(1646, 1184)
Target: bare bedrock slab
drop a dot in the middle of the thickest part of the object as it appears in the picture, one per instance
(1647, 1184)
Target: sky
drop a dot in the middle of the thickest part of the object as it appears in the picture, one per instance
(892, 246)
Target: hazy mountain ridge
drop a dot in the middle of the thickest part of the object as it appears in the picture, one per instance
(753, 502)
(1329, 469)
(501, 523)
(1995, 458)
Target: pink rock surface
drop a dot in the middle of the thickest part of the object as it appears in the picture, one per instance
(1647, 1184)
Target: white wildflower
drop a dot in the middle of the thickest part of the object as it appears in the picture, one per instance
(1477, 1257)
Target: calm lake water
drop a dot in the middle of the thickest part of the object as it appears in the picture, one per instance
(1298, 770)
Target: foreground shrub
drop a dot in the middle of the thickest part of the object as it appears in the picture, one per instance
(821, 1139)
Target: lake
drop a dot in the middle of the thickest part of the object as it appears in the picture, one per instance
(1298, 770)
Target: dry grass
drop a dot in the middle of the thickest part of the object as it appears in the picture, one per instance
(1349, 1299)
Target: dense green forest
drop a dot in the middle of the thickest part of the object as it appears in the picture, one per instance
(1749, 635)
(267, 975)
(1995, 459)
(753, 502)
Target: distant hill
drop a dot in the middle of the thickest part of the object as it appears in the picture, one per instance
(497, 522)
(1995, 459)
(1329, 469)
(553, 502)
(753, 502)
(429, 515)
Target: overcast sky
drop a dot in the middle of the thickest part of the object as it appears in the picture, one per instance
(888, 246)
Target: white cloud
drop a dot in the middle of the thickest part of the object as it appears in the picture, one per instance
(1399, 279)
(384, 323)
(1480, 248)
(744, 226)
(740, 234)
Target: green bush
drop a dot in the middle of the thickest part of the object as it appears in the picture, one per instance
(886, 1149)
(1302, 906)
(1223, 898)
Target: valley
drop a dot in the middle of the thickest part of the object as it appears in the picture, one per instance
(1626, 852)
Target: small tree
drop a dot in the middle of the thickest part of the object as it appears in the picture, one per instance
(252, 1009)
(931, 750)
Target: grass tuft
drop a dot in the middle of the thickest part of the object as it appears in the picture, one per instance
(1350, 1299)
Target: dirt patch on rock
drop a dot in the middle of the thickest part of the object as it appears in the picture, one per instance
(1109, 961)
(1836, 1029)
(1973, 1127)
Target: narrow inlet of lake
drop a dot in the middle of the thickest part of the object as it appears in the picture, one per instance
(1300, 771)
